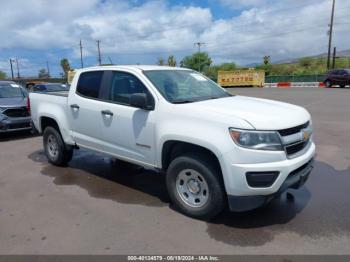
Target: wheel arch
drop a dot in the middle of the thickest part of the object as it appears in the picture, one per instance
(174, 148)
(46, 121)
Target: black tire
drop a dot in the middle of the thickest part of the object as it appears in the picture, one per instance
(63, 154)
(206, 167)
(342, 86)
(328, 83)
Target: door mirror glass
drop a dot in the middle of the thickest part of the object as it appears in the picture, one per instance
(140, 100)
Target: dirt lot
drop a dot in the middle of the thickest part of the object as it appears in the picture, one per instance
(99, 206)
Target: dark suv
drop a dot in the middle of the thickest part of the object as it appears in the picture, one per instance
(339, 77)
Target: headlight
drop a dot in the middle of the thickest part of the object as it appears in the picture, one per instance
(258, 140)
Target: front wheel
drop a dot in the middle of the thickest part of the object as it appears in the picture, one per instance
(195, 186)
(55, 148)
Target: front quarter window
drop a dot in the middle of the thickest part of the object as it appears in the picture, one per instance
(184, 86)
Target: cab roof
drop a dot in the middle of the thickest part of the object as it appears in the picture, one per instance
(133, 67)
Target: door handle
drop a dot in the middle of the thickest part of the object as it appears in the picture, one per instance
(107, 113)
(74, 106)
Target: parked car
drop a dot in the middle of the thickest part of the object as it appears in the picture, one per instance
(14, 109)
(339, 77)
(50, 87)
(214, 148)
(29, 85)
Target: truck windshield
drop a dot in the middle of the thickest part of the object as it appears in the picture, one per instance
(184, 86)
(10, 90)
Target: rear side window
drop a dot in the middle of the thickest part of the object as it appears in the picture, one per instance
(89, 84)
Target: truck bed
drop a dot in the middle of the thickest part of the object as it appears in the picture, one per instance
(49, 104)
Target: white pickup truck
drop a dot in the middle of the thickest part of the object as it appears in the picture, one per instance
(214, 148)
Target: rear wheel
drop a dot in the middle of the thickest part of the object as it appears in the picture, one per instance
(195, 186)
(328, 83)
(55, 148)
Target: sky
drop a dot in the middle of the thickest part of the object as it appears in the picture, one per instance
(140, 31)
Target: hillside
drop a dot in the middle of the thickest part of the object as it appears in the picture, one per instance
(340, 54)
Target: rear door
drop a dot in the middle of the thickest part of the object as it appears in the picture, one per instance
(84, 110)
(338, 77)
(128, 132)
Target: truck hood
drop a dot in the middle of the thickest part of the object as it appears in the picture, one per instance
(13, 102)
(262, 114)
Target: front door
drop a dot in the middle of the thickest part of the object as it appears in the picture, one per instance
(128, 132)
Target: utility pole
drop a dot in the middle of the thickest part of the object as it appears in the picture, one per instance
(81, 55)
(99, 52)
(48, 68)
(330, 37)
(18, 75)
(334, 56)
(199, 44)
(110, 60)
(11, 69)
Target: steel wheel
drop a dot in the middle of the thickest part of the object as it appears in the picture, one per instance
(192, 188)
(52, 146)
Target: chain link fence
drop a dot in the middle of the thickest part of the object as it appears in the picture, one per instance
(295, 78)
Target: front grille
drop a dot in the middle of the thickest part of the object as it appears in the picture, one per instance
(295, 148)
(292, 130)
(16, 112)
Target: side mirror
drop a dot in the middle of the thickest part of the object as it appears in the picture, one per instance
(140, 100)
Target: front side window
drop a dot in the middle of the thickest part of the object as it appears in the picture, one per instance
(89, 84)
(123, 85)
(10, 90)
(184, 86)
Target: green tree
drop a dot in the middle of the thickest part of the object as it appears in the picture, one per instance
(171, 61)
(160, 61)
(43, 73)
(198, 61)
(212, 71)
(65, 66)
(2, 75)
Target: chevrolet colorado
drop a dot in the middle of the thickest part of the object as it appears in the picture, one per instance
(214, 148)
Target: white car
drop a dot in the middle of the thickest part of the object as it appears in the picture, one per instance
(214, 148)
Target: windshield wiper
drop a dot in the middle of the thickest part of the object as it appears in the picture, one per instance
(184, 101)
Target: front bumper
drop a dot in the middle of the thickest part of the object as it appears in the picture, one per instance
(295, 179)
(244, 197)
(11, 124)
